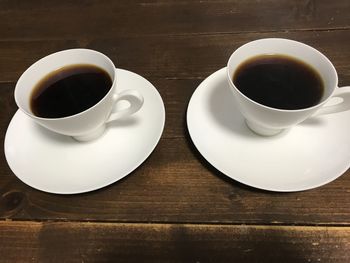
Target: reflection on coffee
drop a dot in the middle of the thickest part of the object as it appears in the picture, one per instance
(69, 90)
(279, 81)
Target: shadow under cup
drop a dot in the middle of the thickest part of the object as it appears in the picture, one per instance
(85, 125)
(268, 121)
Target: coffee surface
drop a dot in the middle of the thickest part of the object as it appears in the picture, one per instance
(69, 90)
(279, 81)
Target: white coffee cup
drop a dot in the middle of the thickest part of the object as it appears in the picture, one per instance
(86, 125)
(267, 121)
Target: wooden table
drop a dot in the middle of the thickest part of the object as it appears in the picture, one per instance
(175, 207)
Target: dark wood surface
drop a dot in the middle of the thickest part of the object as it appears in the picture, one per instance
(118, 242)
(175, 207)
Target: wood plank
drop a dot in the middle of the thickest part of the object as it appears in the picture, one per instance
(177, 66)
(84, 19)
(172, 57)
(184, 187)
(175, 184)
(101, 242)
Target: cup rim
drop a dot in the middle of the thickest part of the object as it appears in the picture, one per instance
(323, 101)
(30, 114)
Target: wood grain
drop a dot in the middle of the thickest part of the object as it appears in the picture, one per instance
(175, 184)
(173, 57)
(101, 242)
(175, 207)
(91, 18)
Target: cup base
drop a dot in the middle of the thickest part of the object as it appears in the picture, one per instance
(91, 135)
(256, 128)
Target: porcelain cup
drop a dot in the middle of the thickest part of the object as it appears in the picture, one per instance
(91, 123)
(268, 121)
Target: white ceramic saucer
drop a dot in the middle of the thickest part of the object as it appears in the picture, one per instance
(58, 164)
(307, 156)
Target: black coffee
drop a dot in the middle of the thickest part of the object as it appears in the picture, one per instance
(279, 81)
(69, 90)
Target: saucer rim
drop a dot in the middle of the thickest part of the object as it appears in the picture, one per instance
(339, 172)
(118, 178)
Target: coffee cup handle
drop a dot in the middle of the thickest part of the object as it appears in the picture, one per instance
(135, 100)
(342, 95)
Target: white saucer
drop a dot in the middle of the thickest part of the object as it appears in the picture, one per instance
(307, 156)
(58, 164)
